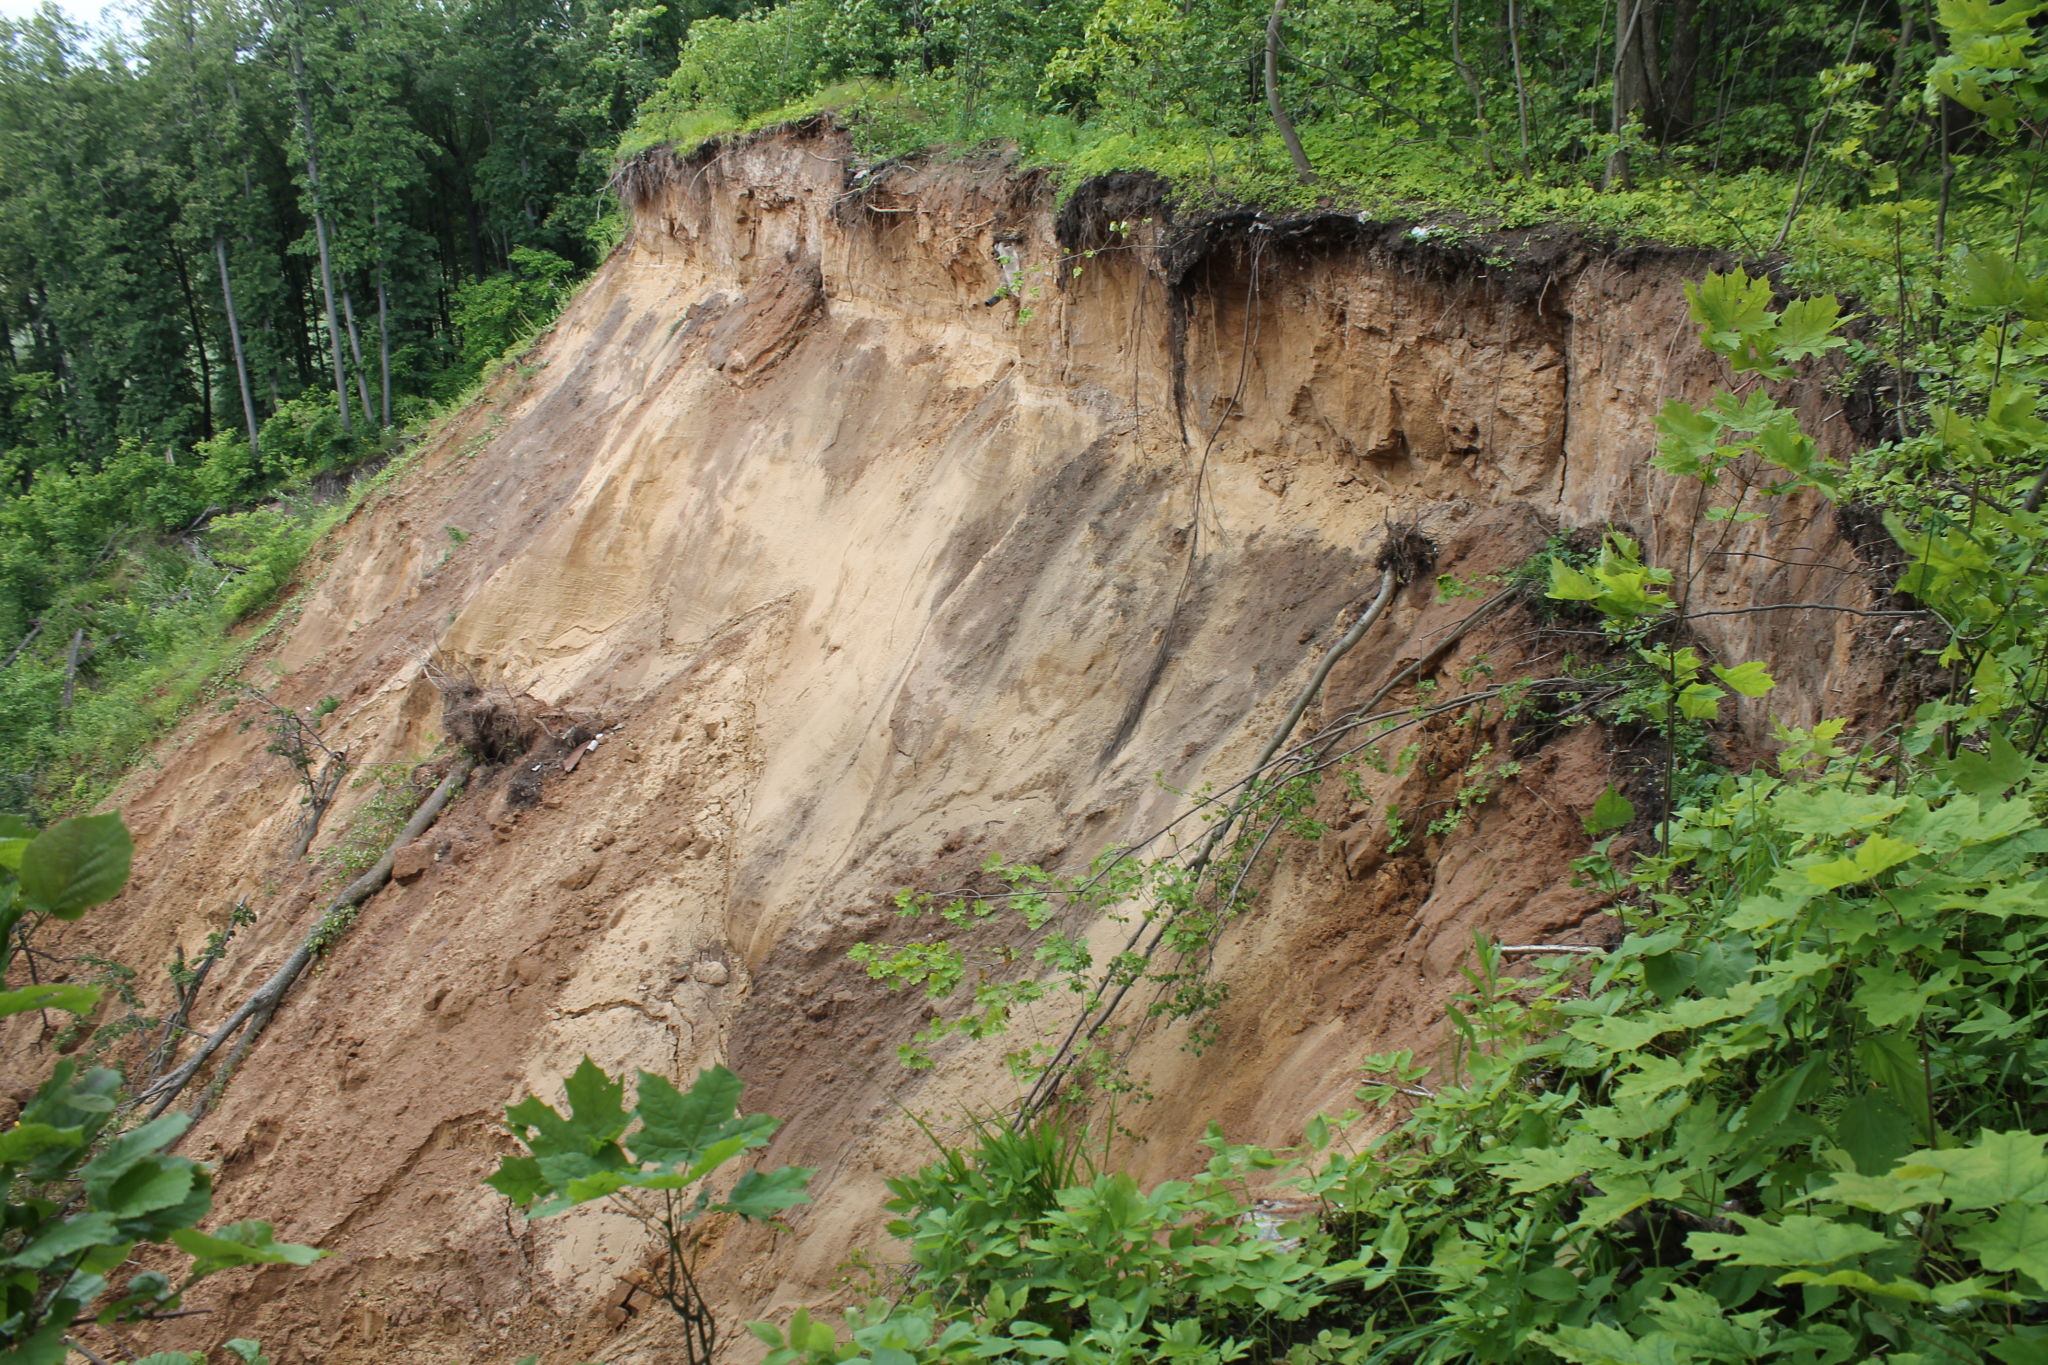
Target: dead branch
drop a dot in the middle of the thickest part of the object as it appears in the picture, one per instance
(258, 1008)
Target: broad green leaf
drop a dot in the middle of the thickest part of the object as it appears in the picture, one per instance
(244, 1243)
(1669, 974)
(1602, 1344)
(153, 1183)
(1991, 280)
(1774, 1102)
(1908, 1290)
(1623, 1194)
(1879, 1193)
(71, 998)
(518, 1178)
(1992, 772)
(1997, 1169)
(2018, 1240)
(596, 1106)
(1749, 679)
(1893, 1061)
(1874, 1131)
(26, 1141)
(1700, 701)
(1540, 1168)
(110, 1165)
(67, 1238)
(1611, 810)
(1889, 997)
(1569, 585)
(1878, 853)
(1831, 811)
(761, 1193)
(2019, 1350)
(1554, 1284)
(1730, 308)
(1687, 439)
(596, 1115)
(1806, 327)
(1702, 1327)
(676, 1128)
(563, 1170)
(1392, 1243)
(1800, 1240)
(76, 864)
(46, 1347)
(1629, 1119)
(1626, 1033)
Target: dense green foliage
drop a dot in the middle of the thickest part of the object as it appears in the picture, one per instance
(1725, 111)
(81, 1193)
(241, 246)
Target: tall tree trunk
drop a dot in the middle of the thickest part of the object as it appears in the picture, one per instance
(1681, 76)
(1599, 42)
(1472, 85)
(198, 340)
(476, 240)
(71, 665)
(1891, 94)
(270, 345)
(320, 232)
(384, 340)
(1628, 84)
(355, 349)
(1277, 105)
(227, 298)
(1521, 91)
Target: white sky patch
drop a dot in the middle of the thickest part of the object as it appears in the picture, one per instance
(88, 13)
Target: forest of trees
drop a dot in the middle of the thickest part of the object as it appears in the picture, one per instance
(237, 204)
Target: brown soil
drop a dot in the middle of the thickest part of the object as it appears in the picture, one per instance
(864, 576)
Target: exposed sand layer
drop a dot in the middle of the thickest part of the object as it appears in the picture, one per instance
(870, 567)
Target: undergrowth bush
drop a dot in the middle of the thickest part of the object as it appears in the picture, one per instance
(83, 1189)
(160, 593)
(394, 796)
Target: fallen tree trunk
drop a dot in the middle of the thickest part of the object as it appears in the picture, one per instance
(258, 1008)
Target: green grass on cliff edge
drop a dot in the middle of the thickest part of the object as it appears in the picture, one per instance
(1369, 172)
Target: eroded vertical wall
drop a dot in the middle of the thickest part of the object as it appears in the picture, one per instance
(886, 519)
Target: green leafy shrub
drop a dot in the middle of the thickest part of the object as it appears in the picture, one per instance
(743, 67)
(80, 1193)
(955, 1211)
(644, 1163)
(266, 545)
(494, 313)
(1107, 1272)
(229, 472)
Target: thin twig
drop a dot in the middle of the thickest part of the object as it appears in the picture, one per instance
(1809, 606)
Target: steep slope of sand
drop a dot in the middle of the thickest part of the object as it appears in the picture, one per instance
(868, 572)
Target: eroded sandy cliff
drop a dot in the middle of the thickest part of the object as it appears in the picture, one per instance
(867, 573)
